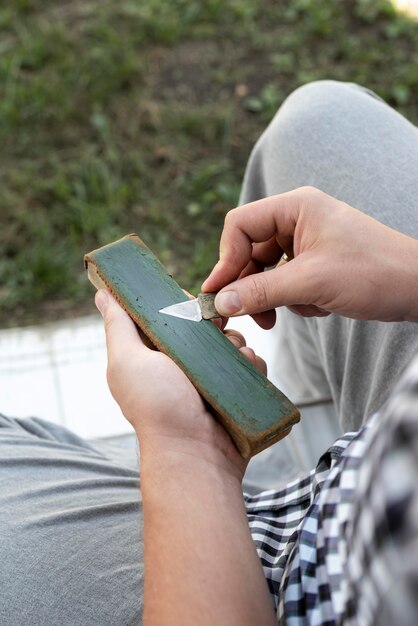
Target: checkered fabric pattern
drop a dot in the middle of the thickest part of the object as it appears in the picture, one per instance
(340, 545)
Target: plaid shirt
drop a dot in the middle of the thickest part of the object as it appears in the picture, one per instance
(340, 546)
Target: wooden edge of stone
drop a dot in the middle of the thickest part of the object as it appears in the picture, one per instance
(250, 444)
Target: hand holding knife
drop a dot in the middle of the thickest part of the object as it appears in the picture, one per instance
(202, 307)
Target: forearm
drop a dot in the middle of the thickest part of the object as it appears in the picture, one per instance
(201, 566)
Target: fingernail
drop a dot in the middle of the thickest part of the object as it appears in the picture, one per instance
(101, 301)
(227, 303)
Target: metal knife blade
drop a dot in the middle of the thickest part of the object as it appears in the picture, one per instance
(199, 308)
(189, 310)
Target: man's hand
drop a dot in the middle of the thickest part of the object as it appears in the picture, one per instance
(201, 565)
(157, 398)
(342, 261)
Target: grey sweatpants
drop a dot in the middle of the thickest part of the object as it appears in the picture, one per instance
(70, 530)
(70, 516)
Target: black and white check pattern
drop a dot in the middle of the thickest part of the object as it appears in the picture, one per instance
(340, 546)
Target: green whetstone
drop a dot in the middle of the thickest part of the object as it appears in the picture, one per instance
(252, 410)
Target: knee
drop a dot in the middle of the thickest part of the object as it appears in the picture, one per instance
(310, 133)
(316, 109)
(311, 137)
(320, 93)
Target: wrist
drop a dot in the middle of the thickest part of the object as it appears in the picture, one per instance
(168, 455)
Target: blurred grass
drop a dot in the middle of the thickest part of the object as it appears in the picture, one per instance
(139, 116)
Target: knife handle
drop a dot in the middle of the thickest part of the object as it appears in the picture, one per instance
(207, 305)
(207, 300)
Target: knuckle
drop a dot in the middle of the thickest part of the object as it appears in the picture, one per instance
(313, 199)
(230, 217)
(259, 293)
(311, 191)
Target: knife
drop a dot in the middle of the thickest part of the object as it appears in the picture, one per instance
(200, 308)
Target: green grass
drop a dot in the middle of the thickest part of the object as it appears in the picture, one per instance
(139, 116)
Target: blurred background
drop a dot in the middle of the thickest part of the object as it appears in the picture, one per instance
(139, 115)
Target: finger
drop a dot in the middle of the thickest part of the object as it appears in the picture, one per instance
(252, 267)
(249, 354)
(256, 360)
(253, 223)
(265, 320)
(121, 332)
(261, 365)
(236, 338)
(224, 322)
(267, 253)
(220, 322)
(292, 284)
(263, 255)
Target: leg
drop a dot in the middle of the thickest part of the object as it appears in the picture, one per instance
(71, 550)
(347, 142)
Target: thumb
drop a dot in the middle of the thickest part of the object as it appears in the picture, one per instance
(121, 332)
(286, 285)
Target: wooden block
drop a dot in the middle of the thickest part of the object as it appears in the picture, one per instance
(207, 305)
(252, 410)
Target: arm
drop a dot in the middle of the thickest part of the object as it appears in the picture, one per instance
(201, 566)
(343, 261)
